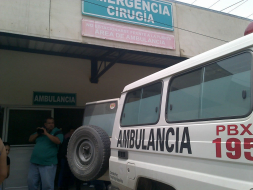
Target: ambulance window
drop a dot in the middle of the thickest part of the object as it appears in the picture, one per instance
(142, 106)
(101, 115)
(184, 94)
(223, 91)
(226, 88)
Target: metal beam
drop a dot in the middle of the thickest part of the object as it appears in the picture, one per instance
(54, 41)
(157, 55)
(95, 77)
(102, 57)
(82, 56)
(145, 64)
(94, 68)
(45, 52)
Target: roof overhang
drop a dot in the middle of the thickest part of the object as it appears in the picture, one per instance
(17, 42)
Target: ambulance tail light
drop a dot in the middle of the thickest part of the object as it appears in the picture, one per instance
(249, 29)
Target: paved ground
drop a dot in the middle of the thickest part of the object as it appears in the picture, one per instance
(83, 186)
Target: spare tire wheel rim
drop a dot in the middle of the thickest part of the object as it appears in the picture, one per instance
(85, 151)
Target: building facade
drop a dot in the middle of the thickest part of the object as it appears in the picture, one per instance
(57, 55)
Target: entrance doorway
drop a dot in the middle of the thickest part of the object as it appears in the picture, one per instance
(20, 124)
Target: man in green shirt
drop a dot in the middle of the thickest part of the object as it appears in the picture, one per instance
(44, 157)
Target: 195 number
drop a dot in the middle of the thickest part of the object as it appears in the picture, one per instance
(234, 147)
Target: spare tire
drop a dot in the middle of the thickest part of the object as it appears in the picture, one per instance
(88, 152)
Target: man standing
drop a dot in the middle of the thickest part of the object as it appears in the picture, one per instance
(44, 157)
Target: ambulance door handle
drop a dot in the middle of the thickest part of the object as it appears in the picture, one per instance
(123, 154)
(244, 94)
(171, 106)
(156, 109)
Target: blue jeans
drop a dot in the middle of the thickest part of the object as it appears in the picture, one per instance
(41, 174)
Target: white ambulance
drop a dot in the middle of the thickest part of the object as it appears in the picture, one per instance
(187, 127)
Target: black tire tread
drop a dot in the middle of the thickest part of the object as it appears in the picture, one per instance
(104, 138)
(106, 151)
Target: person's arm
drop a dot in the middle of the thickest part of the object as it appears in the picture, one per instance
(33, 137)
(54, 139)
(3, 163)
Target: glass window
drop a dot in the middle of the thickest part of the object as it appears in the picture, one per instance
(221, 89)
(184, 94)
(101, 115)
(142, 106)
(224, 86)
(23, 123)
(67, 118)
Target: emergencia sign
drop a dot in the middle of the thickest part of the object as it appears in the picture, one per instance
(48, 98)
(152, 13)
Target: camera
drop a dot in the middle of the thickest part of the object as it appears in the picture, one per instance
(40, 131)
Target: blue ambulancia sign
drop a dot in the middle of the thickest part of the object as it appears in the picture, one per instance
(152, 13)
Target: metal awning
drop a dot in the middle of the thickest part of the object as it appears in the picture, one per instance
(102, 58)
